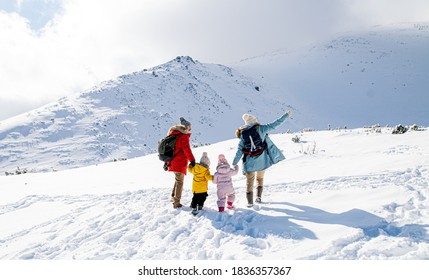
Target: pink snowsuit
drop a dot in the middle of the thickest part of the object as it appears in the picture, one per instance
(225, 189)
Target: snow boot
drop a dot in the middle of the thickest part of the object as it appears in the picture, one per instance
(258, 194)
(177, 205)
(249, 196)
(221, 209)
(230, 206)
(194, 211)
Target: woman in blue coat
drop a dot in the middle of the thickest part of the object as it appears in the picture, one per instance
(255, 165)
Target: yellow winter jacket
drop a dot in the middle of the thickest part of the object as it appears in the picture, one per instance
(201, 178)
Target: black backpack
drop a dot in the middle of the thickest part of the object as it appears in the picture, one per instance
(253, 144)
(166, 148)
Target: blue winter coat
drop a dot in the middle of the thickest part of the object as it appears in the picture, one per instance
(269, 156)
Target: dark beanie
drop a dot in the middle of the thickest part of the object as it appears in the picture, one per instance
(184, 122)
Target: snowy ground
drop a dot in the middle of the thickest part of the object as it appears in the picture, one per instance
(351, 194)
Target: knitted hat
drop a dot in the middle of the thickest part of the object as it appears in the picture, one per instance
(249, 119)
(222, 159)
(184, 122)
(205, 160)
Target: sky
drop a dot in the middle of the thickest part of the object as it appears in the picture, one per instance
(55, 48)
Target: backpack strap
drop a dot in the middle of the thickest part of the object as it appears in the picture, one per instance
(252, 144)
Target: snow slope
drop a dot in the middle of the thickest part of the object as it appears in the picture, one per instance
(126, 117)
(348, 194)
(357, 79)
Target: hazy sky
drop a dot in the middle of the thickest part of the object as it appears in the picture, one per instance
(54, 48)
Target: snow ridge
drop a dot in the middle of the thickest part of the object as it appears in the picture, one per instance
(125, 117)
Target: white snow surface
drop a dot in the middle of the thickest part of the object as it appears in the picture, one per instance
(340, 194)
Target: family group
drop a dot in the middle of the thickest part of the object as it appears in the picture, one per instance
(256, 149)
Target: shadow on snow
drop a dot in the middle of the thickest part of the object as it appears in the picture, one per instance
(278, 223)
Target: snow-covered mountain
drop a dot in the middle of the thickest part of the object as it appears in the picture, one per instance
(374, 76)
(379, 76)
(126, 117)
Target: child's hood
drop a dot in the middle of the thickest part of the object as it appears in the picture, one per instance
(198, 168)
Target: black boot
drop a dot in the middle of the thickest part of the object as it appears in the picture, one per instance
(249, 196)
(258, 194)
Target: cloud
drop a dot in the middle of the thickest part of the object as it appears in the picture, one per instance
(86, 42)
(389, 11)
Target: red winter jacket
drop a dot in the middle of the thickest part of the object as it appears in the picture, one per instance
(182, 150)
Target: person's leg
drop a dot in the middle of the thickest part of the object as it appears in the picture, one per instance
(260, 184)
(230, 200)
(173, 191)
(178, 188)
(250, 180)
(194, 201)
(202, 198)
(221, 199)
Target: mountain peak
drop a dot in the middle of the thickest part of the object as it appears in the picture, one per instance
(126, 117)
(185, 59)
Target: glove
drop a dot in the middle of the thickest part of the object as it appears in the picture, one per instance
(165, 166)
(192, 164)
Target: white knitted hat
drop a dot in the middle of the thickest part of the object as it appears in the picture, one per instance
(249, 119)
(205, 160)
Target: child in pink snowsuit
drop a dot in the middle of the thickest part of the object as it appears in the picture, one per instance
(225, 189)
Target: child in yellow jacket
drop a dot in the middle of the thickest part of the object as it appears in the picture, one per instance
(202, 175)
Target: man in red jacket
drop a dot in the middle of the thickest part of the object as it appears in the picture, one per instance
(183, 155)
